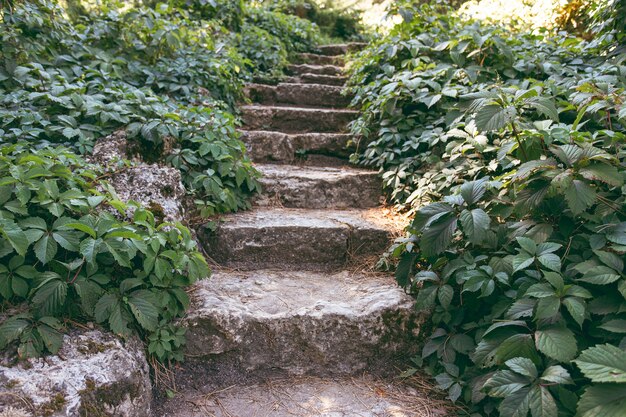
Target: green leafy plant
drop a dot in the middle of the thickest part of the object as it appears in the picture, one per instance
(508, 150)
(65, 255)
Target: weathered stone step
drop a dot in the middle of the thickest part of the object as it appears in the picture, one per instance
(278, 147)
(308, 239)
(318, 95)
(340, 48)
(317, 79)
(319, 187)
(296, 69)
(317, 59)
(297, 119)
(362, 396)
(299, 322)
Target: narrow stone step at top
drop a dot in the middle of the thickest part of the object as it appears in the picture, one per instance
(318, 79)
(319, 187)
(362, 396)
(317, 59)
(297, 119)
(296, 69)
(302, 238)
(278, 147)
(299, 322)
(317, 95)
(340, 48)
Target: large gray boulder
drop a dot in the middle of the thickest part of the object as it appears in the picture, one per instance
(154, 186)
(94, 374)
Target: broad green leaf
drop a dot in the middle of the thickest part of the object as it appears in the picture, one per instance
(505, 383)
(475, 224)
(523, 366)
(15, 235)
(473, 191)
(557, 374)
(576, 308)
(600, 275)
(45, 249)
(556, 342)
(145, 312)
(542, 403)
(547, 308)
(579, 196)
(603, 363)
(603, 400)
(494, 117)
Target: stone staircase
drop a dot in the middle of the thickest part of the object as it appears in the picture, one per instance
(289, 325)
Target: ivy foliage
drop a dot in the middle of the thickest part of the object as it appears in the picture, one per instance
(64, 254)
(508, 148)
(167, 73)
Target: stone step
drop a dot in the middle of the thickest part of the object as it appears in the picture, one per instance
(317, 59)
(316, 95)
(317, 79)
(319, 187)
(340, 48)
(297, 119)
(296, 69)
(308, 239)
(278, 147)
(299, 322)
(362, 396)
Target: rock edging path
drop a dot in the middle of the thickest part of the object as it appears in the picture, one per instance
(292, 331)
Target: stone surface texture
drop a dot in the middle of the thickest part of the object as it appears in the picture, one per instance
(340, 48)
(94, 374)
(300, 94)
(301, 322)
(297, 119)
(156, 187)
(319, 187)
(316, 59)
(278, 147)
(152, 185)
(305, 238)
(363, 396)
(314, 69)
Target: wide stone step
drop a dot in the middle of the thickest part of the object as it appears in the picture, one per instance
(362, 396)
(297, 119)
(308, 239)
(317, 59)
(340, 48)
(278, 147)
(300, 94)
(317, 79)
(296, 69)
(319, 187)
(299, 322)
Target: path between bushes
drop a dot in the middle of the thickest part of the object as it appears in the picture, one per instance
(291, 323)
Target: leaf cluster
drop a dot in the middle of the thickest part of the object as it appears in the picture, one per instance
(509, 150)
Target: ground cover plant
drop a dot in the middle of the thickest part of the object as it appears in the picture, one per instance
(508, 148)
(170, 75)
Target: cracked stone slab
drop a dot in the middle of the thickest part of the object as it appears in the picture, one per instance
(363, 396)
(300, 322)
(94, 373)
(308, 239)
(278, 147)
(316, 95)
(319, 187)
(297, 119)
(317, 59)
(296, 69)
(340, 48)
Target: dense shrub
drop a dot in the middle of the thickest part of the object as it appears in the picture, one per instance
(64, 254)
(170, 75)
(509, 150)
